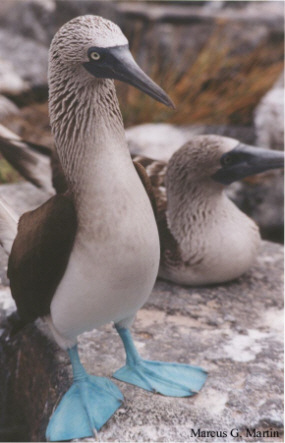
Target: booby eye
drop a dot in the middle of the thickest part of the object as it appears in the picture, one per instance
(95, 55)
(226, 160)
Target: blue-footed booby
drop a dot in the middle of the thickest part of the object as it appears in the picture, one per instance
(205, 238)
(91, 255)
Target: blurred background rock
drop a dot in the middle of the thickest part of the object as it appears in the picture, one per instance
(220, 61)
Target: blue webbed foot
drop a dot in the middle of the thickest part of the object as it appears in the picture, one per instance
(171, 379)
(86, 406)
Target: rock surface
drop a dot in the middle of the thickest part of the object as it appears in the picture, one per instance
(233, 330)
(261, 197)
(160, 140)
(269, 117)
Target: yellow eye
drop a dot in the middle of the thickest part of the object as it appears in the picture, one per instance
(95, 55)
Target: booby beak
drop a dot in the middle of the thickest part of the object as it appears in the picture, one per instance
(246, 160)
(118, 63)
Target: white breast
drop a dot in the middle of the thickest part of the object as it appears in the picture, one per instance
(216, 249)
(113, 264)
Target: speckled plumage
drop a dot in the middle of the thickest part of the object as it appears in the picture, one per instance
(204, 237)
(77, 102)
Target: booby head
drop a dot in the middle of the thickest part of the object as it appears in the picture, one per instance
(98, 46)
(244, 160)
(219, 159)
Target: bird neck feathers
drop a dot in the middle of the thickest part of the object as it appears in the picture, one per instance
(86, 123)
(192, 210)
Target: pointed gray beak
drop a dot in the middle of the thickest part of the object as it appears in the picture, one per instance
(245, 160)
(118, 63)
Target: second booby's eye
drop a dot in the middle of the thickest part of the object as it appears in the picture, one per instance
(95, 55)
(226, 160)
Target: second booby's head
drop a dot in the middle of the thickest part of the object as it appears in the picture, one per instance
(221, 160)
(98, 48)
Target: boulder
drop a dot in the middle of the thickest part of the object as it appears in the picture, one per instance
(160, 140)
(269, 117)
(261, 197)
(234, 331)
(7, 108)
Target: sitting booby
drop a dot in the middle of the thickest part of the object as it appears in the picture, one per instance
(91, 255)
(204, 237)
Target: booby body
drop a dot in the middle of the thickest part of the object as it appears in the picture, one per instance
(204, 237)
(91, 255)
(115, 277)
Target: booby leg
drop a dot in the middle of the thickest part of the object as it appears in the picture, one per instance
(85, 407)
(170, 379)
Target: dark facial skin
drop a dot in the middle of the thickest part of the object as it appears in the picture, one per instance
(246, 160)
(118, 63)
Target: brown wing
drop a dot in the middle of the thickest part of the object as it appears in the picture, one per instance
(155, 170)
(40, 255)
(147, 184)
(170, 255)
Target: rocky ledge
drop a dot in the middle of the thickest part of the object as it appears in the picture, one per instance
(234, 331)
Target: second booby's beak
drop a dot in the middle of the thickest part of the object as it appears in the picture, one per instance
(246, 160)
(118, 63)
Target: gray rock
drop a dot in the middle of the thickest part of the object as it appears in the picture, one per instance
(261, 197)
(20, 52)
(20, 197)
(160, 140)
(7, 108)
(234, 331)
(26, 32)
(23, 196)
(269, 117)
(32, 19)
(11, 82)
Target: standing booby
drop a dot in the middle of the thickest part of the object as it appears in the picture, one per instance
(204, 237)
(90, 256)
(193, 230)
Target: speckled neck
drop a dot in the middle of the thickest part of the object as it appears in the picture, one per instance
(191, 210)
(87, 125)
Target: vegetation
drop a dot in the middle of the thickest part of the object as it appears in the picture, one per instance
(7, 173)
(222, 86)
